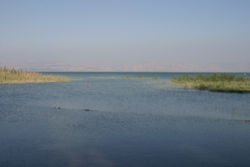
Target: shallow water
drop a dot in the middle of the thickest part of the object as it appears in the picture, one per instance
(122, 122)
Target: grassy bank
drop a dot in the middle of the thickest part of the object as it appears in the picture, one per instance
(13, 76)
(215, 82)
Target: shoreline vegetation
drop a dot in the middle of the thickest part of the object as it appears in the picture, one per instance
(12, 76)
(139, 77)
(215, 82)
(127, 77)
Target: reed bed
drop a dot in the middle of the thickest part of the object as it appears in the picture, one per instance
(216, 82)
(12, 76)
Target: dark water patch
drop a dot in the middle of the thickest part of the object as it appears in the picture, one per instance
(58, 108)
(88, 110)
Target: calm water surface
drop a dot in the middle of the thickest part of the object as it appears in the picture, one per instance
(121, 123)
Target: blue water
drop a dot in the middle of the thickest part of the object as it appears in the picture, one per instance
(122, 122)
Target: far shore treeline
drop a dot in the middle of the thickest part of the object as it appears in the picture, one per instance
(13, 76)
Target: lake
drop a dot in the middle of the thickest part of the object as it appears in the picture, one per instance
(121, 122)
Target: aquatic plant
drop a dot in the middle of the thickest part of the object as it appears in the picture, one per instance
(155, 77)
(139, 77)
(13, 76)
(133, 77)
(215, 82)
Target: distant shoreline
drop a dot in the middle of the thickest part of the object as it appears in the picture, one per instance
(141, 72)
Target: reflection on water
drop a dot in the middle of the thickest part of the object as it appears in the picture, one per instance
(121, 122)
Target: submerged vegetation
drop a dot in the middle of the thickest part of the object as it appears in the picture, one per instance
(139, 77)
(216, 82)
(13, 76)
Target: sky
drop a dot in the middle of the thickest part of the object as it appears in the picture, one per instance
(126, 35)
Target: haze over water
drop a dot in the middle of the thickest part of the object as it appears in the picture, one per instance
(131, 35)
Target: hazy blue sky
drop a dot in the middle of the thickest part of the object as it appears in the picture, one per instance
(151, 35)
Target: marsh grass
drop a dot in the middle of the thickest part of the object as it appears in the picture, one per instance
(12, 76)
(139, 77)
(216, 82)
